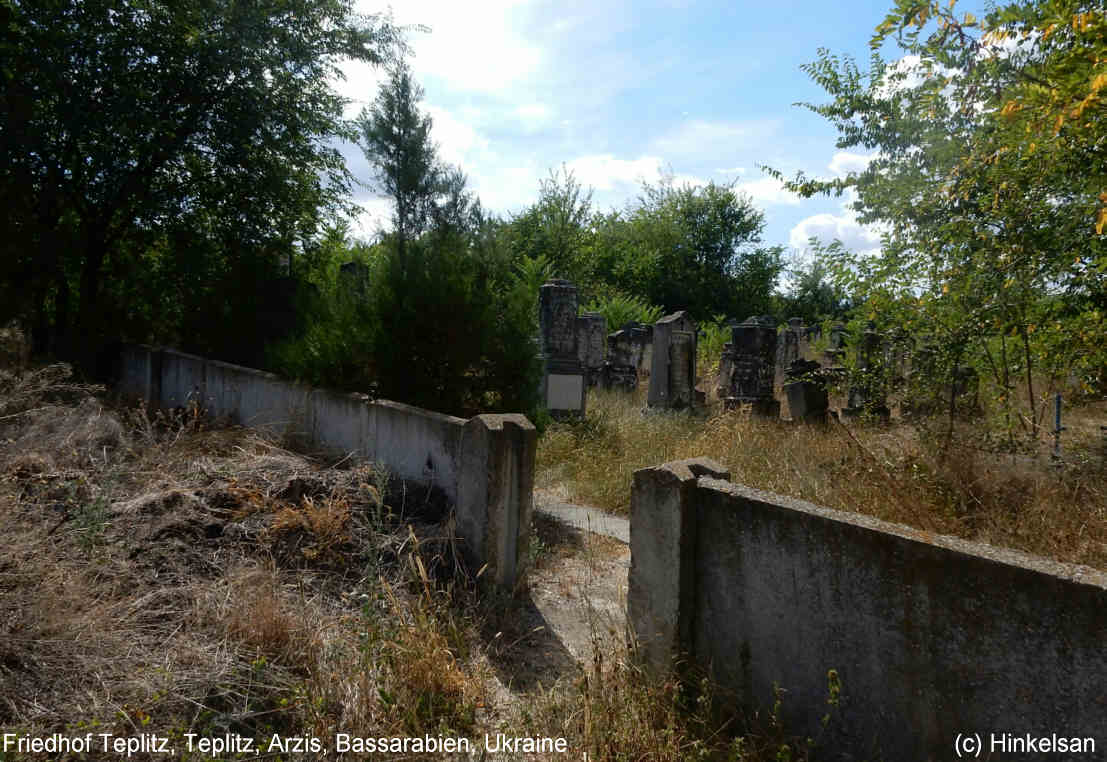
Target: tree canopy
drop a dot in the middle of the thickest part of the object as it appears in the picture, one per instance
(986, 179)
(674, 247)
(165, 144)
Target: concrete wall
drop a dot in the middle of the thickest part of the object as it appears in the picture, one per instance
(484, 466)
(930, 636)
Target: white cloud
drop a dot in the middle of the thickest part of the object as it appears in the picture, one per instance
(768, 190)
(604, 171)
(360, 86)
(533, 113)
(507, 189)
(845, 162)
(830, 227)
(699, 139)
(732, 171)
(376, 215)
(470, 48)
(457, 141)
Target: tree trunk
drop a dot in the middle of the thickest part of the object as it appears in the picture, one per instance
(87, 329)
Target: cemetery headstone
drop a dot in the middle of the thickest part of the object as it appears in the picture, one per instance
(673, 371)
(563, 384)
(753, 363)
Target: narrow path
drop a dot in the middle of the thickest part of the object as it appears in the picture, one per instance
(583, 517)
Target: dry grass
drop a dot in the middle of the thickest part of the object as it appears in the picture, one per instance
(161, 576)
(892, 472)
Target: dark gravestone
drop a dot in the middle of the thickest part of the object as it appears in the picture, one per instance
(563, 387)
(592, 345)
(753, 363)
(805, 388)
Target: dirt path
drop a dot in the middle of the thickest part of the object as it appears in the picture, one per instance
(575, 606)
(582, 517)
(581, 593)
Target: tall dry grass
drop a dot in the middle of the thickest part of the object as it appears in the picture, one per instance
(896, 472)
(162, 576)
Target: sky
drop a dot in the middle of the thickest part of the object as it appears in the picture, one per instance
(619, 92)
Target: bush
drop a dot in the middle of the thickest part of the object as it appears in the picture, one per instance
(618, 309)
(443, 324)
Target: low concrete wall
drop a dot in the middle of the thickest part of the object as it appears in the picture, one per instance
(930, 636)
(484, 466)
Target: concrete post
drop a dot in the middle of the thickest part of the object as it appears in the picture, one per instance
(660, 591)
(494, 493)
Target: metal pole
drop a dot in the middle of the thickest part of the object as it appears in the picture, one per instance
(1057, 428)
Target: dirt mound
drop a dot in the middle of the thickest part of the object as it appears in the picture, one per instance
(63, 436)
(15, 346)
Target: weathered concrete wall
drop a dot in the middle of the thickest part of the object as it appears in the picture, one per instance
(430, 449)
(930, 636)
(416, 444)
(662, 547)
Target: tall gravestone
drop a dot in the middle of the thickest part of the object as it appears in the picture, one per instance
(791, 345)
(563, 383)
(753, 365)
(673, 371)
(592, 345)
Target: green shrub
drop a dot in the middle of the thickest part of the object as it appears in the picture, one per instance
(619, 308)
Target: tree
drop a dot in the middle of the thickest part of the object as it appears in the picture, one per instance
(396, 140)
(812, 294)
(450, 324)
(121, 119)
(556, 227)
(986, 177)
(691, 248)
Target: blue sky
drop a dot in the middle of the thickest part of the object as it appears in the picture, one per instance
(621, 91)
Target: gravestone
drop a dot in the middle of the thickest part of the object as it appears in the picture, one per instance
(805, 389)
(682, 370)
(836, 346)
(592, 345)
(753, 364)
(563, 385)
(673, 362)
(790, 345)
(353, 279)
(866, 393)
(620, 371)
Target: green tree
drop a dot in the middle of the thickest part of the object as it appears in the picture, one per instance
(124, 122)
(556, 227)
(986, 180)
(395, 136)
(449, 323)
(693, 248)
(812, 293)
